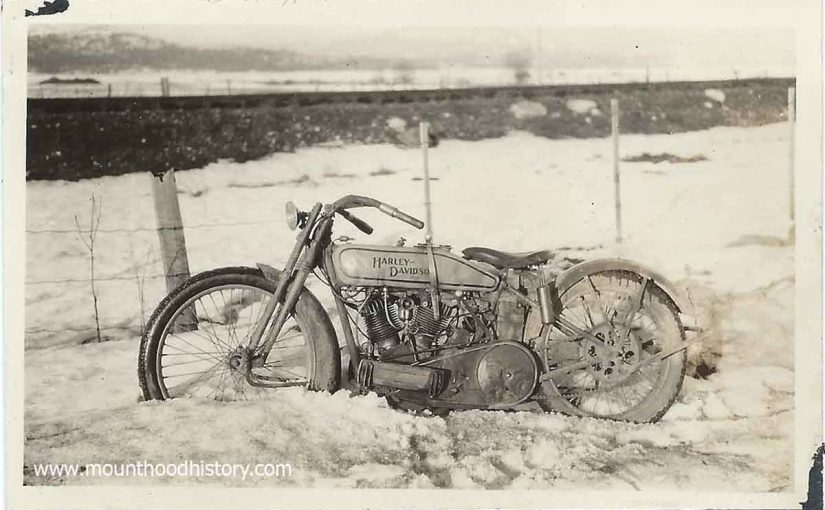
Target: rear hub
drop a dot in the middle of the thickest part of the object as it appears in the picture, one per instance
(614, 356)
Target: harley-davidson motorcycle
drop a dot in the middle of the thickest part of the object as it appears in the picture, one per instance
(429, 329)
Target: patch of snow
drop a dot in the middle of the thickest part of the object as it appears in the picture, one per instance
(528, 110)
(396, 123)
(715, 94)
(581, 106)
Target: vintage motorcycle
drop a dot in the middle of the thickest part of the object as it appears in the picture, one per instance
(429, 329)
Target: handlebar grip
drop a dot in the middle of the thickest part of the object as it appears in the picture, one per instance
(360, 224)
(406, 218)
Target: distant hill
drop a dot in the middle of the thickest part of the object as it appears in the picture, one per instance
(106, 48)
(114, 51)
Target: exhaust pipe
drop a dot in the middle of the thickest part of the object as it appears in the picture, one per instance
(403, 377)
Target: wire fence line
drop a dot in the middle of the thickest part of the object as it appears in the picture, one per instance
(127, 327)
(140, 229)
(102, 279)
(128, 274)
(151, 84)
(156, 229)
(153, 261)
(146, 229)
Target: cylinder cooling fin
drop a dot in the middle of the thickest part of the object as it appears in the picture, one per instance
(428, 323)
(380, 331)
(386, 315)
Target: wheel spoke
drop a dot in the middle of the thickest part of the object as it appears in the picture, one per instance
(218, 311)
(254, 324)
(176, 337)
(283, 370)
(231, 320)
(219, 386)
(298, 356)
(587, 313)
(211, 361)
(205, 375)
(617, 328)
(211, 334)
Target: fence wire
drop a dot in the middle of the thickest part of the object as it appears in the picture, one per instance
(145, 229)
(128, 231)
(84, 330)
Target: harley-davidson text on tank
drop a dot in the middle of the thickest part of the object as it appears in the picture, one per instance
(398, 265)
(409, 268)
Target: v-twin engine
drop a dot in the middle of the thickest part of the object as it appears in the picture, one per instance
(389, 316)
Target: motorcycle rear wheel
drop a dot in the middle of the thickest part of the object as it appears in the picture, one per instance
(635, 320)
(195, 342)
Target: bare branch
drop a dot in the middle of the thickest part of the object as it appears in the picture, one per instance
(94, 222)
(80, 233)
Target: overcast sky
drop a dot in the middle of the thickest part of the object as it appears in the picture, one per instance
(754, 48)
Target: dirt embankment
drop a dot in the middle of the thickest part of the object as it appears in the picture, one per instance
(65, 141)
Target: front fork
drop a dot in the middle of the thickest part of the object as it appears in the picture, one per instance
(300, 263)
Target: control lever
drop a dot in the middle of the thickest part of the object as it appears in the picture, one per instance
(360, 224)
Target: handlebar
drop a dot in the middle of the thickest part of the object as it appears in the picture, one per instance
(352, 201)
(406, 218)
(360, 224)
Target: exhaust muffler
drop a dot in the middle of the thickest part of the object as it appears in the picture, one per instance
(403, 377)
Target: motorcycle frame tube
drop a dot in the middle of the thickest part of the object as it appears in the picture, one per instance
(284, 281)
(349, 338)
(343, 314)
(306, 262)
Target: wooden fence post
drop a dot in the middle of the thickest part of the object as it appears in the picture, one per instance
(791, 154)
(617, 190)
(170, 229)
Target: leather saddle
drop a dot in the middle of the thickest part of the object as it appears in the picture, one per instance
(505, 260)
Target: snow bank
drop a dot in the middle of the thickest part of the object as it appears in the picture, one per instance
(731, 431)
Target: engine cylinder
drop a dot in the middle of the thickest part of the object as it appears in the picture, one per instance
(380, 331)
(428, 326)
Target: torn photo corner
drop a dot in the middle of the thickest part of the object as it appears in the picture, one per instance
(412, 254)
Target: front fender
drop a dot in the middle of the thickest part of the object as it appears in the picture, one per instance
(319, 335)
(270, 273)
(568, 278)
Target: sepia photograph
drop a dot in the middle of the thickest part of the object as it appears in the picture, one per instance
(430, 257)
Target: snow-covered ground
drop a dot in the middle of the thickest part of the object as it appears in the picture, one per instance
(714, 226)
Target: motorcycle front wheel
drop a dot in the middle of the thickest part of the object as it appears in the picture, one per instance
(627, 366)
(195, 344)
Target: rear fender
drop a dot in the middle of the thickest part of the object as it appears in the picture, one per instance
(568, 278)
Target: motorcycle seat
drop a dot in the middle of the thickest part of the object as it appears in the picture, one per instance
(502, 259)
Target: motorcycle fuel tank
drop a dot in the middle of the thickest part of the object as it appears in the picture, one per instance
(408, 268)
